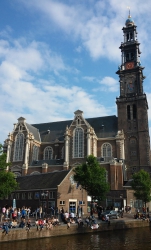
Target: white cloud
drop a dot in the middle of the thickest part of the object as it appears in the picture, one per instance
(98, 25)
(25, 91)
(107, 83)
(110, 84)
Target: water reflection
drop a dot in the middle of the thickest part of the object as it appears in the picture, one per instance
(120, 239)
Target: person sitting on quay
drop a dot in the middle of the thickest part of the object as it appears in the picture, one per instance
(49, 224)
(55, 221)
(22, 223)
(37, 224)
(5, 227)
(41, 224)
(72, 215)
(28, 225)
(80, 222)
(68, 222)
(72, 221)
(87, 220)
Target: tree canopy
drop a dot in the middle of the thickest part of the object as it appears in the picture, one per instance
(141, 184)
(7, 179)
(3, 156)
(92, 178)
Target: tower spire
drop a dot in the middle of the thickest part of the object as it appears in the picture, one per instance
(129, 16)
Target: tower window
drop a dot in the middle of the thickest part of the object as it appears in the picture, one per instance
(78, 151)
(128, 112)
(48, 153)
(19, 147)
(132, 56)
(134, 111)
(131, 36)
(127, 57)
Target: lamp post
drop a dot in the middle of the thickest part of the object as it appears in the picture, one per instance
(45, 195)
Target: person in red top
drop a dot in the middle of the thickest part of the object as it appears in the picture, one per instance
(41, 224)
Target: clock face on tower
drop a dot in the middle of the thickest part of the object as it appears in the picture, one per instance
(129, 65)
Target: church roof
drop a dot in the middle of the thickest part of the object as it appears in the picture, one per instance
(106, 126)
(34, 131)
(41, 181)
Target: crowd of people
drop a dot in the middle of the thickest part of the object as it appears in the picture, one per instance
(25, 218)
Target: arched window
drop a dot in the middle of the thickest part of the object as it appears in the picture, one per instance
(78, 142)
(19, 147)
(35, 153)
(106, 151)
(48, 153)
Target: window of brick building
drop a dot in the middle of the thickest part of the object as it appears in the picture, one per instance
(23, 196)
(36, 196)
(51, 195)
(30, 196)
(17, 196)
(62, 202)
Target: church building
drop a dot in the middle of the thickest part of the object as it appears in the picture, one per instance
(120, 143)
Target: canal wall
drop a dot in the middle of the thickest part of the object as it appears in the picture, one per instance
(61, 230)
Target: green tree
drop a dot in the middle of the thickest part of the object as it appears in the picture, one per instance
(141, 184)
(3, 156)
(7, 179)
(8, 183)
(92, 178)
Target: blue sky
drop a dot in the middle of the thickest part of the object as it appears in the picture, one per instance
(60, 56)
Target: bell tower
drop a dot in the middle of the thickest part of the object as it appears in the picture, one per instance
(132, 103)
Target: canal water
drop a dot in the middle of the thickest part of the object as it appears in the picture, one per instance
(130, 239)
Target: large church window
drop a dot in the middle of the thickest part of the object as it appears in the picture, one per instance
(35, 153)
(106, 151)
(128, 112)
(78, 141)
(19, 147)
(48, 153)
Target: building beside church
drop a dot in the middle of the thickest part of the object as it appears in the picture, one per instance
(121, 143)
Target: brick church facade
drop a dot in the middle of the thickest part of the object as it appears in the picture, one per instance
(121, 144)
